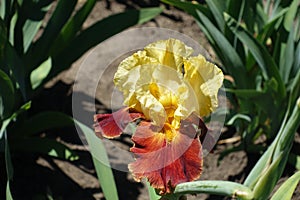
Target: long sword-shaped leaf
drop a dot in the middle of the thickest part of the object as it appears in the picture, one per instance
(73, 26)
(99, 32)
(192, 9)
(10, 61)
(5, 9)
(217, 8)
(9, 168)
(233, 62)
(268, 179)
(189, 7)
(6, 95)
(269, 27)
(287, 57)
(35, 13)
(296, 67)
(290, 16)
(8, 163)
(274, 159)
(101, 162)
(286, 190)
(2, 8)
(40, 50)
(8, 193)
(7, 121)
(260, 53)
(47, 120)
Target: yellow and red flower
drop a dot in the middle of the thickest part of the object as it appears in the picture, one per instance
(166, 92)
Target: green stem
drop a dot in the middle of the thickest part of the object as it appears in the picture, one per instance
(225, 188)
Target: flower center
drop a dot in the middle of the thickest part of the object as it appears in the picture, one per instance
(169, 102)
(169, 132)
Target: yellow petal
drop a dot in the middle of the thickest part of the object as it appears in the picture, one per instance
(152, 88)
(152, 82)
(169, 52)
(160, 91)
(128, 74)
(205, 79)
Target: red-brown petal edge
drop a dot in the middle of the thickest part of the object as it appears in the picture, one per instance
(112, 125)
(164, 164)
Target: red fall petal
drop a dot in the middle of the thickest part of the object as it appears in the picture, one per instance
(166, 164)
(112, 125)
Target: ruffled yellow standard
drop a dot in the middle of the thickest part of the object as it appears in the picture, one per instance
(166, 92)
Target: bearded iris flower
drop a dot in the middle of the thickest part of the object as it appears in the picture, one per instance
(166, 93)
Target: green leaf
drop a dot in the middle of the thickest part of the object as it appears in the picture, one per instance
(287, 189)
(6, 95)
(261, 17)
(2, 8)
(260, 53)
(269, 28)
(233, 63)
(35, 13)
(152, 193)
(290, 15)
(40, 73)
(268, 179)
(99, 32)
(296, 67)
(217, 8)
(12, 27)
(9, 168)
(10, 61)
(45, 146)
(5, 9)
(267, 6)
(6, 122)
(225, 188)
(148, 14)
(72, 27)
(45, 121)
(276, 7)
(8, 163)
(287, 58)
(295, 89)
(101, 162)
(40, 50)
(294, 94)
(260, 166)
(8, 193)
(237, 9)
(4, 126)
(270, 166)
(189, 7)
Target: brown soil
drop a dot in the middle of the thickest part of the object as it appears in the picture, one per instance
(37, 175)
